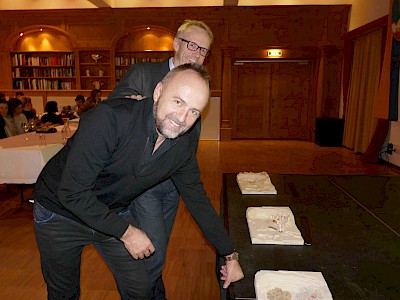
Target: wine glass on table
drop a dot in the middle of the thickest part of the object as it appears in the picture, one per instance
(25, 128)
(32, 125)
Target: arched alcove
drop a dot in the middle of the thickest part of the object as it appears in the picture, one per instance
(42, 38)
(146, 39)
(42, 58)
(141, 44)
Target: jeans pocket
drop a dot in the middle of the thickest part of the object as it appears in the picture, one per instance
(42, 214)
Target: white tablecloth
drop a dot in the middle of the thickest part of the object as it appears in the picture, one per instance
(21, 160)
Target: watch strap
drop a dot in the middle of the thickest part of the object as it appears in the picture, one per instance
(233, 256)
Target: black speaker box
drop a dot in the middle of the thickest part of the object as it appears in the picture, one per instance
(329, 132)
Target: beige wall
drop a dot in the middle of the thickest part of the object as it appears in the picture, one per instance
(365, 11)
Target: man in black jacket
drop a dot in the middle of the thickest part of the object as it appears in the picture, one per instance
(121, 148)
(155, 209)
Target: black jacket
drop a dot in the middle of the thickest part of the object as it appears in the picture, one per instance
(108, 162)
(141, 79)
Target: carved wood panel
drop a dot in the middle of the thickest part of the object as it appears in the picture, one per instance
(271, 100)
(289, 117)
(251, 100)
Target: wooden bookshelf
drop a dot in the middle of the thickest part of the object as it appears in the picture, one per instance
(95, 69)
(43, 70)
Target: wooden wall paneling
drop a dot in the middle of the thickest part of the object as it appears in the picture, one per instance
(252, 101)
(235, 99)
(249, 29)
(313, 98)
(77, 70)
(271, 100)
(333, 79)
(321, 82)
(5, 70)
(289, 112)
(214, 65)
(226, 110)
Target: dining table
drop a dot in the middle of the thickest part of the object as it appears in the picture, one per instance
(23, 157)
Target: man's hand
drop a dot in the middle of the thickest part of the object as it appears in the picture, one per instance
(137, 243)
(135, 97)
(231, 272)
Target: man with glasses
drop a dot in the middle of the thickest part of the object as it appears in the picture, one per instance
(156, 208)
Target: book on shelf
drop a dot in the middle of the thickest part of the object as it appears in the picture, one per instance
(43, 84)
(48, 72)
(128, 61)
(22, 59)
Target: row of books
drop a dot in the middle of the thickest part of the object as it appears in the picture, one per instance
(52, 72)
(127, 61)
(120, 73)
(20, 59)
(43, 84)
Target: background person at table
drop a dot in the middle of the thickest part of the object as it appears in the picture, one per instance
(91, 101)
(79, 101)
(9, 125)
(19, 94)
(120, 149)
(51, 118)
(15, 119)
(156, 208)
(28, 110)
(3, 114)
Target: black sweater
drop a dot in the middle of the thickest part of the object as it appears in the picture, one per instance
(105, 165)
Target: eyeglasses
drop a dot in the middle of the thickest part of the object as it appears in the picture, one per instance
(192, 46)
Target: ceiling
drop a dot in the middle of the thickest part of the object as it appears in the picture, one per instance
(93, 4)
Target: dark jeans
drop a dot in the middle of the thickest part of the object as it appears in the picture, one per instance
(155, 211)
(61, 241)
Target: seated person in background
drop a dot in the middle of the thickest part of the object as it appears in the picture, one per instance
(79, 101)
(29, 111)
(66, 112)
(91, 101)
(18, 95)
(51, 117)
(16, 119)
(2, 96)
(95, 96)
(66, 109)
(3, 114)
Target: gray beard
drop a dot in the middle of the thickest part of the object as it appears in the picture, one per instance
(169, 134)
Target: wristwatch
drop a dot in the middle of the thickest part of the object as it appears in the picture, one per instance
(233, 256)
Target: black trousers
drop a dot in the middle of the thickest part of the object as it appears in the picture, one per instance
(61, 242)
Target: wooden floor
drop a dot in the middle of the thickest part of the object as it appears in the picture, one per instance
(189, 272)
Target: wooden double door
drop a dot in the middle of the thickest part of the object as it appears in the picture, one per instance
(272, 100)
